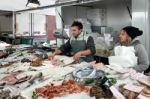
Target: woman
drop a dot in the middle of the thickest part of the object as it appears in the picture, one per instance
(129, 38)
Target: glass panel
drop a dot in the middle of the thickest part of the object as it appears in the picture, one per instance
(23, 24)
(44, 22)
(39, 24)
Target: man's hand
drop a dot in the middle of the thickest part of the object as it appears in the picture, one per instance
(77, 56)
(51, 57)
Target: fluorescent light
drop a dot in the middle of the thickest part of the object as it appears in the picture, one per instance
(33, 3)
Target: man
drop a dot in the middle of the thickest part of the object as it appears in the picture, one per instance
(80, 45)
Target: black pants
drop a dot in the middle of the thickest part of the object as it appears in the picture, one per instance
(147, 70)
(103, 60)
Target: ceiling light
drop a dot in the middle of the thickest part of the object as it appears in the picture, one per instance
(33, 3)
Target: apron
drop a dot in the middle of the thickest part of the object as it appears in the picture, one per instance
(124, 57)
(80, 45)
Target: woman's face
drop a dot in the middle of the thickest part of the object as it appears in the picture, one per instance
(123, 37)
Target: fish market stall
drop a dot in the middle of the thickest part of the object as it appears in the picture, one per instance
(28, 74)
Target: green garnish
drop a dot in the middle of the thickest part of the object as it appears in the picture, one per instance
(34, 95)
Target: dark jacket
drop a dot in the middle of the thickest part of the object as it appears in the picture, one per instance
(66, 48)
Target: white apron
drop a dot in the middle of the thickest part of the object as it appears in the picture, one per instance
(124, 57)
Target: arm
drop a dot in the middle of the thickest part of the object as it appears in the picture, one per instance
(143, 60)
(86, 52)
(90, 49)
(57, 52)
(66, 47)
(63, 49)
(90, 46)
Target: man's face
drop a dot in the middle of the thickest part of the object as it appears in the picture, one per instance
(75, 31)
(123, 36)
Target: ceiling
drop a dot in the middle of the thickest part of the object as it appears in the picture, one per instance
(15, 5)
(104, 3)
